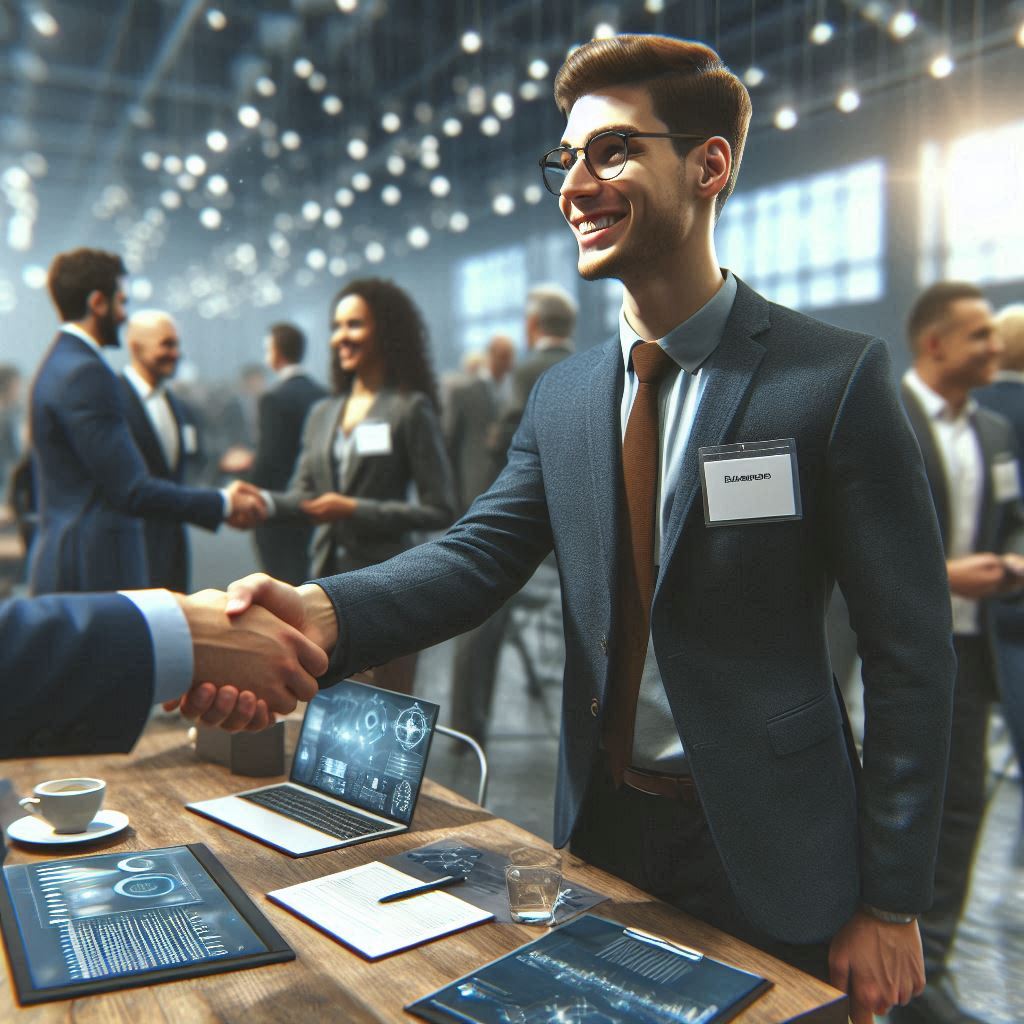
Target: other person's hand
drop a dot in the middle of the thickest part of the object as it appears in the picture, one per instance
(307, 608)
(251, 650)
(879, 965)
(981, 575)
(224, 706)
(248, 509)
(328, 507)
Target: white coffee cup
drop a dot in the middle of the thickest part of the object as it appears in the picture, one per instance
(67, 804)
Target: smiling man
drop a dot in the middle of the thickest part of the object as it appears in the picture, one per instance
(703, 750)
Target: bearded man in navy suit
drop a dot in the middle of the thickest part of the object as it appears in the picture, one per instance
(783, 463)
(93, 487)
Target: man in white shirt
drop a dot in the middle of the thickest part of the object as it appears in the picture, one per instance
(162, 429)
(971, 458)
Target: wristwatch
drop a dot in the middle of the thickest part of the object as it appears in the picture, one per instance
(889, 916)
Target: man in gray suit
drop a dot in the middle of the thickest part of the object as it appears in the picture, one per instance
(972, 460)
(727, 785)
(470, 408)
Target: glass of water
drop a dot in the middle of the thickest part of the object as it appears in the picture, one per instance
(533, 877)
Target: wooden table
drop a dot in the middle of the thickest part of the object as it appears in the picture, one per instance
(327, 982)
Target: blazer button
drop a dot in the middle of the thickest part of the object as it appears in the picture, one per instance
(604, 643)
(594, 707)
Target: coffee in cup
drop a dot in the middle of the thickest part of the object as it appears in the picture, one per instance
(67, 804)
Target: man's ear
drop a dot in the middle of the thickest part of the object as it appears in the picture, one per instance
(716, 163)
(97, 303)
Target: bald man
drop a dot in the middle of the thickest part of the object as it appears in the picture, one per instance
(164, 433)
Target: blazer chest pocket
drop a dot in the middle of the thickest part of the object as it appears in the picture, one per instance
(805, 725)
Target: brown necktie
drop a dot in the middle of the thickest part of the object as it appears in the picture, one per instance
(635, 555)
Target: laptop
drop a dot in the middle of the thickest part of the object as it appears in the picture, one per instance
(355, 776)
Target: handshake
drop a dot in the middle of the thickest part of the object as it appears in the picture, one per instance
(248, 507)
(258, 649)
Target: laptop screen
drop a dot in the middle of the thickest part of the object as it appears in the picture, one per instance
(366, 746)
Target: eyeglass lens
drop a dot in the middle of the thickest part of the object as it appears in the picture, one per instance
(605, 155)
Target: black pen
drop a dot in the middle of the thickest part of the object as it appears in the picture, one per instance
(438, 883)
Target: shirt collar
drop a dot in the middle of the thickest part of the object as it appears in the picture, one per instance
(291, 370)
(1013, 376)
(142, 386)
(691, 342)
(82, 334)
(935, 406)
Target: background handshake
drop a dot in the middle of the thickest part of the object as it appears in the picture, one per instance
(248, 507)
(258, 649)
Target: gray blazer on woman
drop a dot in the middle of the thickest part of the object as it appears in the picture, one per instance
(385, 515)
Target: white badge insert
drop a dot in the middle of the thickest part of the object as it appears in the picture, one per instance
(1006, 480)
(750, 482)
(373, 439)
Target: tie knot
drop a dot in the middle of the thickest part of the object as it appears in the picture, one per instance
(650, 362)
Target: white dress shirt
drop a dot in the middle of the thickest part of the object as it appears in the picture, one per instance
(161, 415)
(656, 742)
(964, 467)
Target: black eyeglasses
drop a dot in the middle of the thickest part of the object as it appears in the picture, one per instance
(605, 155)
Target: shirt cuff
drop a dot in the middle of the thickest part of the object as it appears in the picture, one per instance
(227, 502)
(269, 500)
(172, 641)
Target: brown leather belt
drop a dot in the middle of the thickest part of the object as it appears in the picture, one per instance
(675, 787)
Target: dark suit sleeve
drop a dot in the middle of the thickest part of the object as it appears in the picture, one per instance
(431, 473)
(77, 675)
(303, 484)
(94, 422)
(440, 589)
(271, 447)
(888, 559)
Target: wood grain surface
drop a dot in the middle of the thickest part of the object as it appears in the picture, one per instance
(328, 982)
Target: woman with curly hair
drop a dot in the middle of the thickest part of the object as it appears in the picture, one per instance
(364, 448)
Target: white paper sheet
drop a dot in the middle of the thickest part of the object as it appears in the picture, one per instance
(346, 906)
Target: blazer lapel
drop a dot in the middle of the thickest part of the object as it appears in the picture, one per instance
(729, 373)
(145, 436)
(604, 437)
(380, 409)
(933, 467)
(325, 443)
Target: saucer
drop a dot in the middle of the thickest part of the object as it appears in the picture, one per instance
(31, 829)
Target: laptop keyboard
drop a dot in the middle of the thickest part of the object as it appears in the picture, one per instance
(316, 813)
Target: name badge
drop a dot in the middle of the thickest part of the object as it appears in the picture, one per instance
(755, 481)
(189, 438)
(1006, 480)
(373, 439)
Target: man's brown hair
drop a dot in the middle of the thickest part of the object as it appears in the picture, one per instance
(691, 90)
(75, 275)
(289, 342)
(933, 304)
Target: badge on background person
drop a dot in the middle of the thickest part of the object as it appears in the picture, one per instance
(373, 439)
(750, 482)
(1005, 479)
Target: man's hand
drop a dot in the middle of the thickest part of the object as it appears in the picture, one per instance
(307, 608)
(982, 575)
(252, 650)
(329, 507)
(248, 509)
(223, 706)
(879, 965)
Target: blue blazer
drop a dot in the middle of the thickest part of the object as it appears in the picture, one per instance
(76, 674)
(94, 489)
(167, 553)
(738, 619)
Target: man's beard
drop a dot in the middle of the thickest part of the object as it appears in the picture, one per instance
(109, 331)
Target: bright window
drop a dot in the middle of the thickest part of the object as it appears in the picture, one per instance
(972, 208)
(812, 242)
